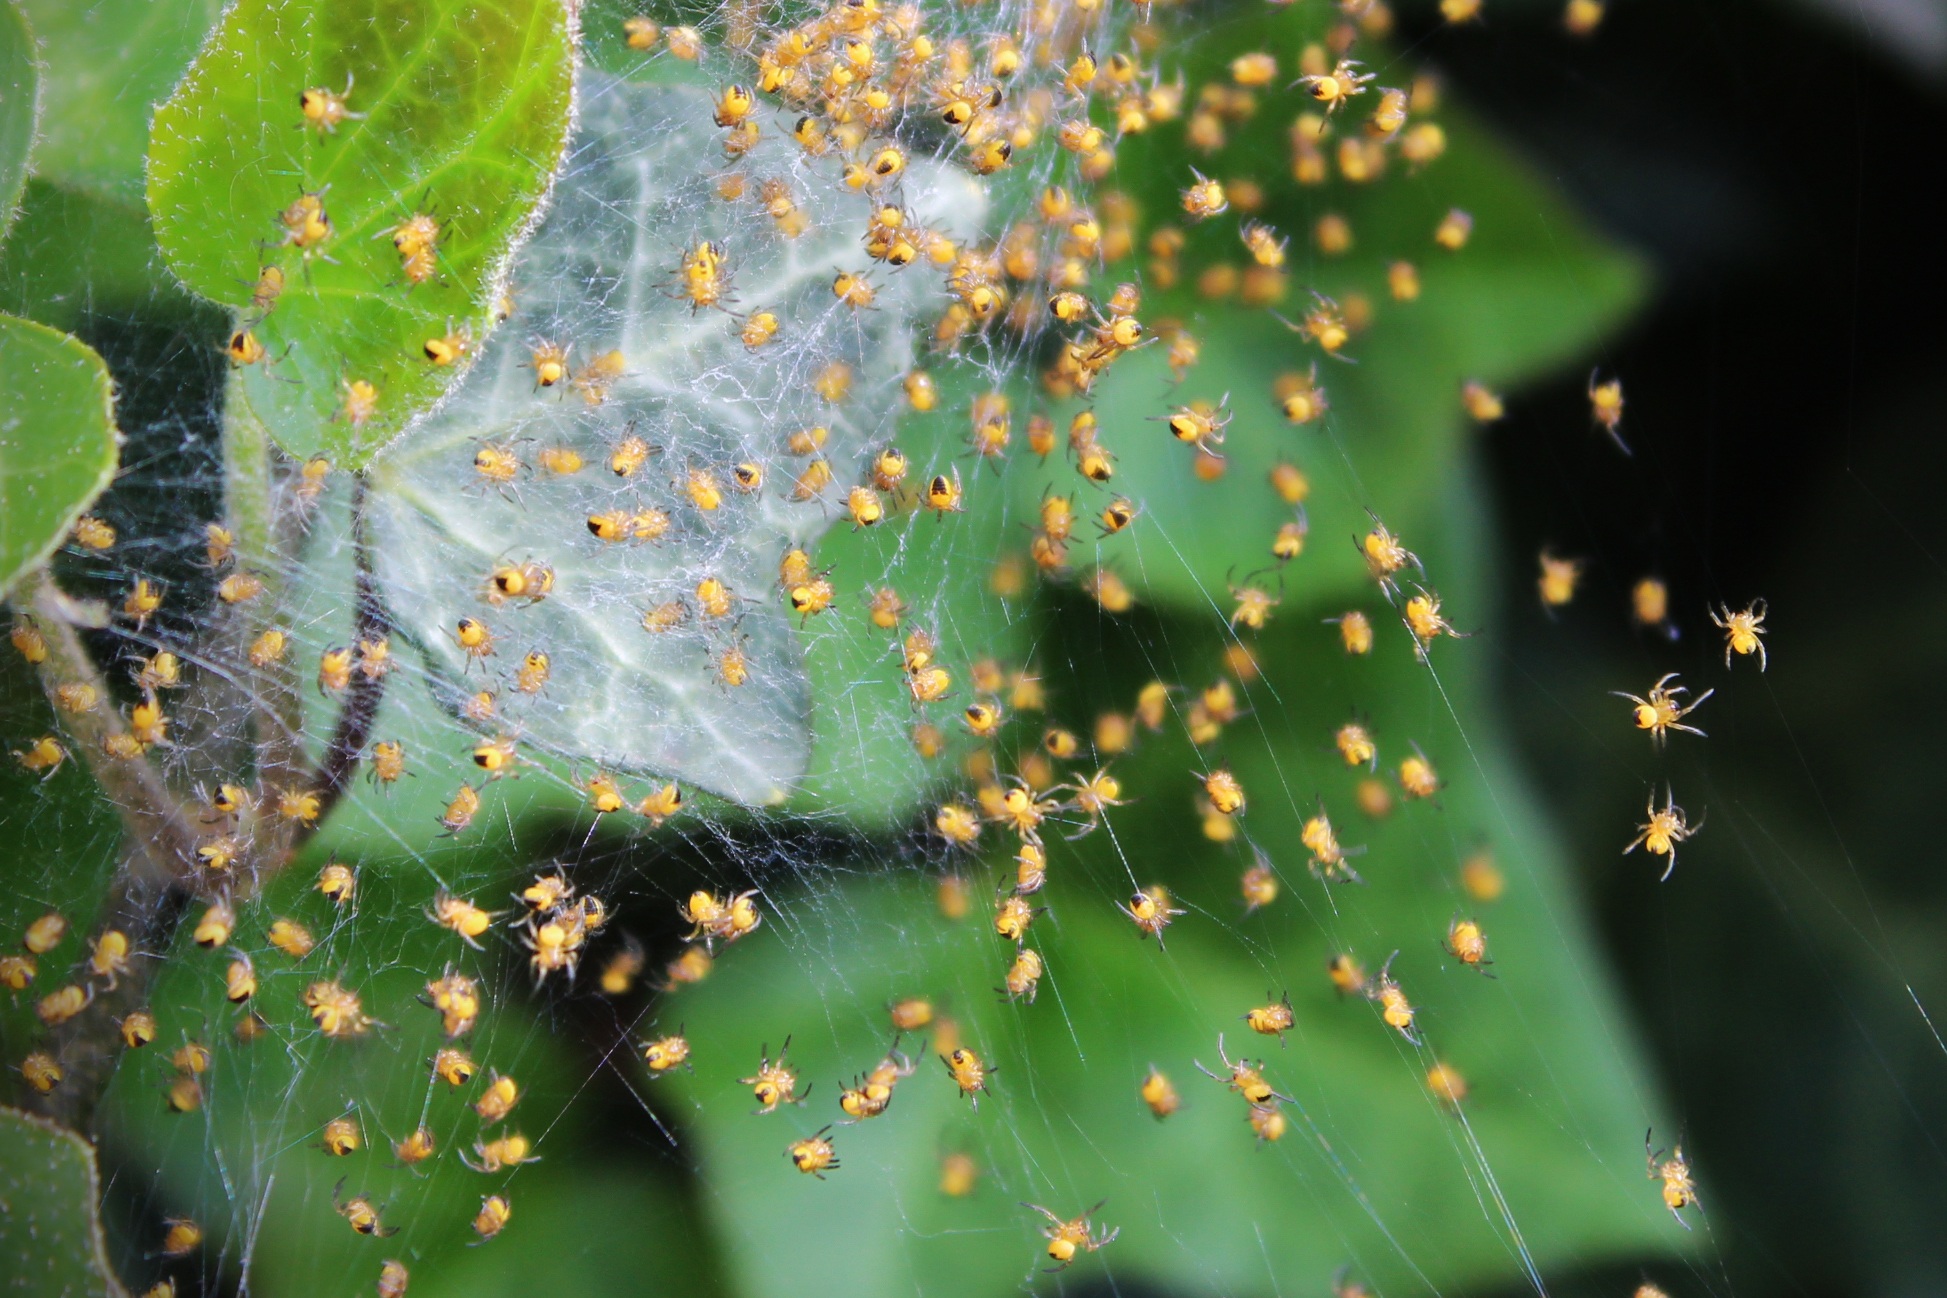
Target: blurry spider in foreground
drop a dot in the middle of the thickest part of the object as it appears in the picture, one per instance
(1665, 829)
(1679, 1187)
(1385, 556)
(1344, 1286)
(1606, 408)
(1093, 796)
(1068, 1238)
(1663, 710)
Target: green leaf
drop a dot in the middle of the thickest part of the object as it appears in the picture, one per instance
(1373, 1172)
(1533, 290)
(58, 444)
(50, 1229)
(558, 1199)
(19, 107)
(619, 695)
(108, 62)
(457, 109)
(75, 253)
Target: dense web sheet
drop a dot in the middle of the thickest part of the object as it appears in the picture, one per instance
(598, 276)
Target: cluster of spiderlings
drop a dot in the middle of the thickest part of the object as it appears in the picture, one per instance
(870, 83)
(106, 962)
(864, 108)
(666, 403)
(308, 228)
(872, 89)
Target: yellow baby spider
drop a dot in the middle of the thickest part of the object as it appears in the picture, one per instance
(1679, 1186)
(1741, 631)
(814, 1155)
(774, 1083)
(1663, 709)
(1664, 830)
(1246, 1078)
(1067, 1239)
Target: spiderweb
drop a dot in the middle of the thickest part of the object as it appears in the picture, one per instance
(803, 784)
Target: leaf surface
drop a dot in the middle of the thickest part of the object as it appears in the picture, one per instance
(454, 109)
(50, 1232)
(58, 444)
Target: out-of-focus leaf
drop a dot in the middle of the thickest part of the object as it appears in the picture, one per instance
(50, 1230)
(454, 109)
(74, 253)
(618, 694)
(557, 1201)
(57, 440)
(19, 107)
(1532, 290)
(108, 63)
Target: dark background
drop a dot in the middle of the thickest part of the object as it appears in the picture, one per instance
(1785, 405)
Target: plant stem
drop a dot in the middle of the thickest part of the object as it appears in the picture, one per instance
(267, 539)
(163, 829)
(361, 709)
(247, 486)
(90, 1045)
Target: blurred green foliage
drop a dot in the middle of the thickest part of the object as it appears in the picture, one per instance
(1533, 290)
(57, 439)
(75, 255)
(108, 62)
(1552, 1072)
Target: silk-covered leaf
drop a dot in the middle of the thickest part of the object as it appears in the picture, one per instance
(601, 281)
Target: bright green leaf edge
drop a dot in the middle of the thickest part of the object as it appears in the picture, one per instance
(20, 107)
(50, 1229)
(58, 443)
